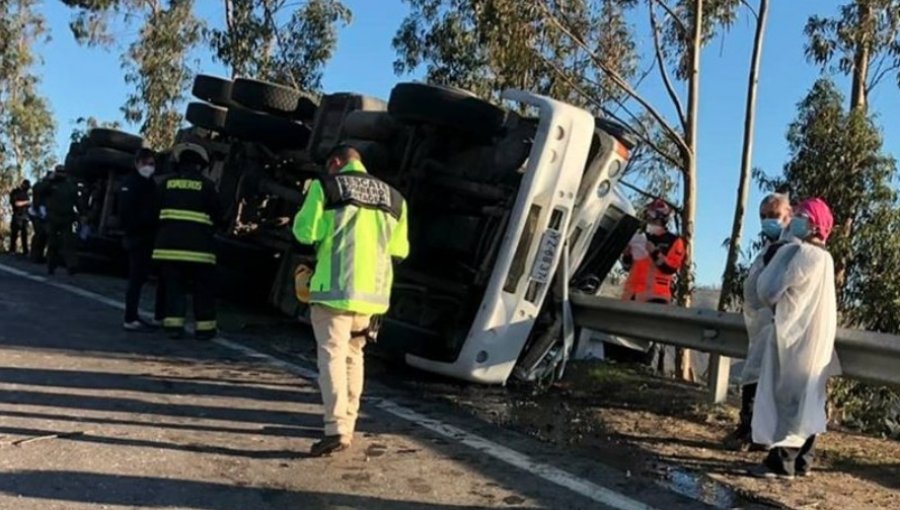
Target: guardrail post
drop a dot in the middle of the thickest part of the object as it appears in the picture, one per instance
(719, 372)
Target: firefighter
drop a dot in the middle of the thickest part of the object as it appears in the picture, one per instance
(62, 218)
(19, 203)
(189, 213)
(358, 225)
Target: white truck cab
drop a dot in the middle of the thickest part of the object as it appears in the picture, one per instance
(558, 211)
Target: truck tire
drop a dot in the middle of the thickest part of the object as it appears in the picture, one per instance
(274, 132)
(418, 103)
(376, 126)
(115, 139)
(206, 116)
(108, 158)
(307, 106)
(212, 89)
(265, 97)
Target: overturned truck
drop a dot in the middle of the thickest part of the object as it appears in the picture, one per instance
(508, 207)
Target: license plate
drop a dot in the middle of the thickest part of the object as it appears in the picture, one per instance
(543, 265)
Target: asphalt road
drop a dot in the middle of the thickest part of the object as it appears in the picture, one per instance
(92, 417)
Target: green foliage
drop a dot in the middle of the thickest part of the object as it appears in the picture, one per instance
(834, 43)
(862, 406)
(678, 41)
(487, 46)
(156, 64)
(26, 123)
(255, 44)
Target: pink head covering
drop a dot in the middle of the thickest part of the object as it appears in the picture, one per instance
(819, 215)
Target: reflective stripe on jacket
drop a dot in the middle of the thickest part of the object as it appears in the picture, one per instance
(358, 225)
(651, 277)
(189, 210)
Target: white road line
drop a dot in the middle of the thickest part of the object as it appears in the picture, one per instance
(506, 455)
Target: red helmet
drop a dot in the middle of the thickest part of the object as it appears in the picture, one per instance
(658, 209)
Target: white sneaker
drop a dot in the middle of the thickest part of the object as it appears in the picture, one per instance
(135, 327)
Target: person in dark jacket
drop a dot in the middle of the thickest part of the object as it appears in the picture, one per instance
(189, 214)
(19, 202)
(62, 218)
(139, 218)
(38, 215)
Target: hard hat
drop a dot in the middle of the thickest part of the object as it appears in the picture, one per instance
(187, 150)
(302, 275)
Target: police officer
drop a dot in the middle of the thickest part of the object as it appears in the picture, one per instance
(62, 216)
(19, 203)
(189, 214)
(358, 225)
(38, 215)
(139, 216)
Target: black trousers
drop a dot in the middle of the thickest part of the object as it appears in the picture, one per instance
(198, 279)
(38, 240)
(62, 246)
(140, 266)
(791, 461)
(748, 397)
(18, 230)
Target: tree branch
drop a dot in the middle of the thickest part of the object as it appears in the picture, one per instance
(881, 72)
(644, 135)
(675, 19)
(752, 10)
(677, 138)
(667, 80)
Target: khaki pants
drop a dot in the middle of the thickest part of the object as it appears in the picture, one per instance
(340, 361)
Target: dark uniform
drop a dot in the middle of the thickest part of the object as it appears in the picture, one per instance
(19, 221)
(39, 219)
(139, 216)
(189, 213)
(62, 216)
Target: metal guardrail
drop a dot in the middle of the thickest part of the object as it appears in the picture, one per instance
(865, 355)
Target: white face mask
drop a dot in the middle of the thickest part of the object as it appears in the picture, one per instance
(146, 171)
(655, 230)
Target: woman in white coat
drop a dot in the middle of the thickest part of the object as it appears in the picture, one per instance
(798, 285)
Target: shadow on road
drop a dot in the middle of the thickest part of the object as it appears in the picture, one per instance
(146, 383)
(145, 492)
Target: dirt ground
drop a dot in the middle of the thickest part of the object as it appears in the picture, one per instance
(651, 426)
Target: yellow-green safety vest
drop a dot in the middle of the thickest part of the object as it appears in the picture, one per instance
(358, 225)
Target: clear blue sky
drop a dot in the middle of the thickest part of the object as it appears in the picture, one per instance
(88, 82)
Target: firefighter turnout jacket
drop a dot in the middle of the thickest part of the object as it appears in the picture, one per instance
(189, 211)
(358, 225)
(650, 277)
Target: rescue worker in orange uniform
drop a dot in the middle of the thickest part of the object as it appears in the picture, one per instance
(653, 257)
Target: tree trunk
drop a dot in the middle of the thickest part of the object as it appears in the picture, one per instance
(683, 356)
(859, 93)
(734, 246)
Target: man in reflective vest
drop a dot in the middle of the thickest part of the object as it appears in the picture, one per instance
(358, 225)
(189, 214)
(653, 257)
